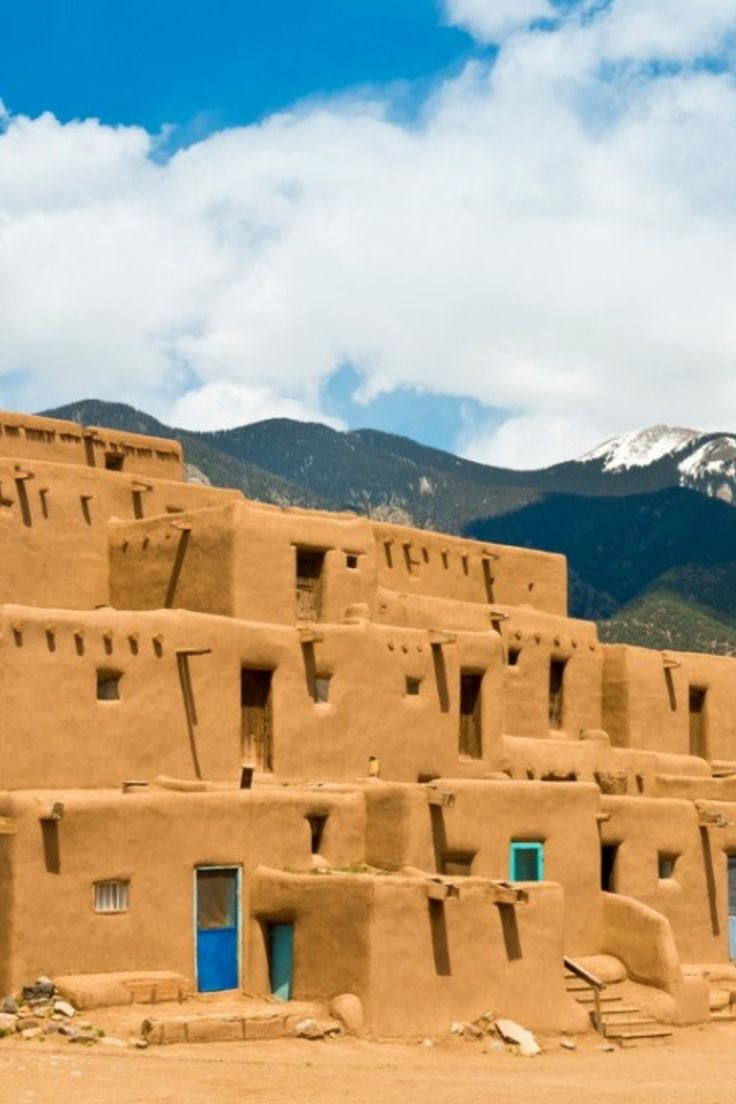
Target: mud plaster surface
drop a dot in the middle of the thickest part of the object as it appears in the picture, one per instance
(696, 1068)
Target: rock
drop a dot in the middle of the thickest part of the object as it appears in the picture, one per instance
(515, 1033)
(68, 1030)
(348, 1009)
(51, 1028)
(64, 1008)
(497, 1047)
(426, 1043)
(9, 1006)
(41, 989)
(31, 1032)
(308, 1029)
(8, 1023)
(607, 1047)
(110, 1040)
(568, 1044)
(473, 1032)
(141, 1044)
(457, 1028)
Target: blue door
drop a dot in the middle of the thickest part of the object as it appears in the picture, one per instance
(281, 959)
(217, 928)
(526, 862)
(732, 907)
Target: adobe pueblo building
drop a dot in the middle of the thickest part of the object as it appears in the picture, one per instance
(307, 754)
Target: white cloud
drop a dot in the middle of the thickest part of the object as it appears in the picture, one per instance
(493, 20)
(224, 405)
(545, 240)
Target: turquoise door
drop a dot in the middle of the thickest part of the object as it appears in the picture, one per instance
(216, 909)
(526, 862)
(732, 906)
(281, 959)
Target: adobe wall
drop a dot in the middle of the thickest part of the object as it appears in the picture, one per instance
(479, 827)
(181, 715)
(415, 963)
(532, 641)
(694, 899)
(35, 438)
(646, 700)
(256, 548)
(155, 840)
(53, 527)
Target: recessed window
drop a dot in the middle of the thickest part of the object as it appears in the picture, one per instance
(112, 896)
(513, 656)
(317, 829)
(666, 863)
(526, 861)
(458, 863)
(108, 685)
(412, 686)
(322, 688)
(351, 561)
(114, 461)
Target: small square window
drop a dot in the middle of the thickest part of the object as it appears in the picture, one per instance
(526, 861)
(351, 561)
(111, 896)
(108, 685)
(322, 688)
(114, 461)
(412, 686)
(666, 865)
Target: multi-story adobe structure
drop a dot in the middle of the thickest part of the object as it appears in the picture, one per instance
(305, 753)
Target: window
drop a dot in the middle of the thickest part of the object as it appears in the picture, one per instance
(111, 896)
(666, 864)
(458, 863)
(698, 732)
(513, 656)
(412, 686)
(470, 745)
(317, 827)
(321, 688)
(351, 561)
(609, 855)
(114, 461)
(527, 861)
(108, 685)
(556, 692)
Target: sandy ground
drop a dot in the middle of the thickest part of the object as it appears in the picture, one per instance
(699, 1067)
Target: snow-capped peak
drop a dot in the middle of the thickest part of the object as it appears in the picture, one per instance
(641, 447)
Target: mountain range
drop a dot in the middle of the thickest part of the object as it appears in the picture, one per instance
(647, 519)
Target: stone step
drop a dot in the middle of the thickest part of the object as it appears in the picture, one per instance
(724, 1017)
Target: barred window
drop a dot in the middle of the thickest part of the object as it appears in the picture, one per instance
(111, 896)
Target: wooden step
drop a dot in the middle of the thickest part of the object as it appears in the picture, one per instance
(629, 1021)
(724, 1016)
(647, 1031)
(623, 1009)
(604, 998)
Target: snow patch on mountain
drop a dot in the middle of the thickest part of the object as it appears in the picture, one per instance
(639, 448)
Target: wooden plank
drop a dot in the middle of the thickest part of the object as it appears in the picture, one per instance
(8, 827)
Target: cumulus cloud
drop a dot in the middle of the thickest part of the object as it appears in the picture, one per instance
(552, 236)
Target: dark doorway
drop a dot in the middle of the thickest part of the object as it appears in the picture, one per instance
(309, 583)
(556, 692)
(317, 824)
(698, 728)
(256, 732)
(609, 854)
(470, 743)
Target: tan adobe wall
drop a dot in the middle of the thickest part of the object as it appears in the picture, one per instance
(48, 924)
(533, 642)
(479, 827)
(647, 701)
(437, 565)
(418, 965)
(180, 714)
(53, 527)
(31, 437)
(258, 549)
(695, 898)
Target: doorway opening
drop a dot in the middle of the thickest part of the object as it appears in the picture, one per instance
(309, 583)
(470, 738)
(256, 712)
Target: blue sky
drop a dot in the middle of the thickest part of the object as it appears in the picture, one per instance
(504, 227)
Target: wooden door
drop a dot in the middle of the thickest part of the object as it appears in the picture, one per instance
(309, 584)
(470, 715)
(256, 733)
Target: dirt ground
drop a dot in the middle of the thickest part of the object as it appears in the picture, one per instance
(697, 1068)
